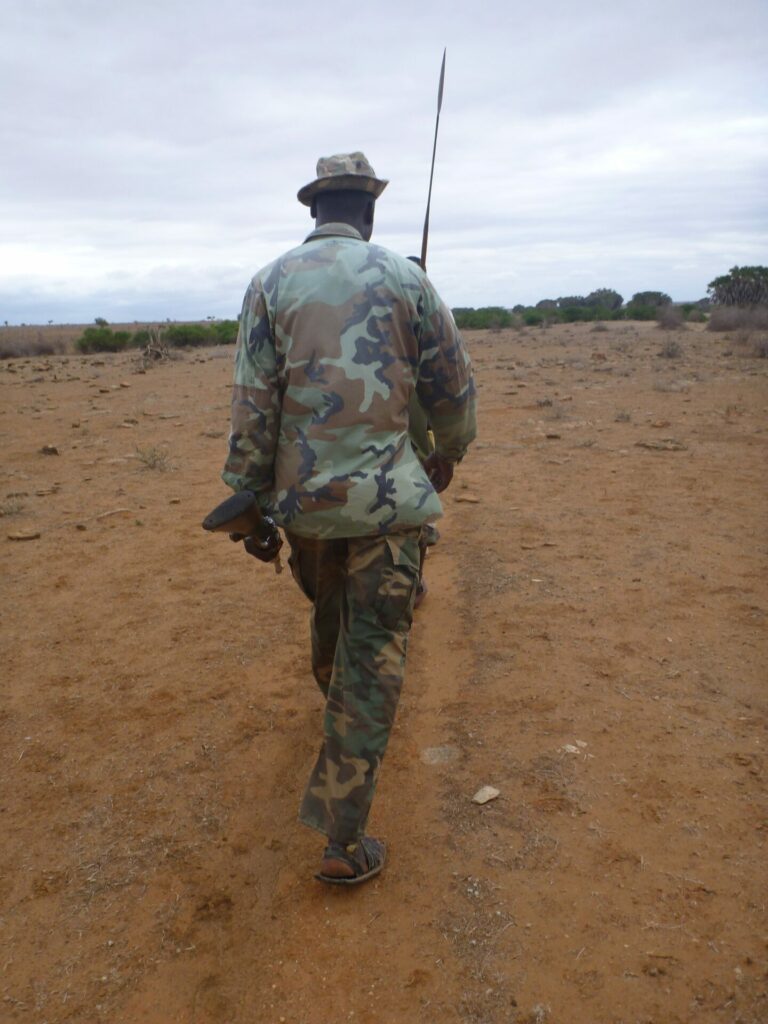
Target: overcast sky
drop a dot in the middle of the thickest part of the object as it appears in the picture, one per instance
(151, 151)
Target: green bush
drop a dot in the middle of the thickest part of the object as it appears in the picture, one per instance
(103, 339)
(224, 332)
(533, 317)
(639, 311)
(485, 318)
(186, 335)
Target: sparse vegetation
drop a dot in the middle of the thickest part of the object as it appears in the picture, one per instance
(11, 506)
(18, 342)
(733, 318)
(671, 349)
(153, 457)
(670, 318)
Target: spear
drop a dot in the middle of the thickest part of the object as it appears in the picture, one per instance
(425, 236)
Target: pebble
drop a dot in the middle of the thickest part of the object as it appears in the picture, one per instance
(439, 755)
(485, 794)
(23, 535)
(49, 449)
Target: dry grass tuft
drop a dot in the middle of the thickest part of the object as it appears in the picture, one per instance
(11, 507)
(153, 457)
(671, 349)
(21, 342)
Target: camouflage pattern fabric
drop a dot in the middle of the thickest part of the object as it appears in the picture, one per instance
(335, 338)
(362, 591)
(343, 171)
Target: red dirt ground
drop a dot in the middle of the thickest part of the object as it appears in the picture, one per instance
(593, 645)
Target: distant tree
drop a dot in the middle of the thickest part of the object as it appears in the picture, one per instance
(519, 308)
(741, 286)
(604, 298)
(651, 299)
(571, 302)
(546, 304)
(101, 322)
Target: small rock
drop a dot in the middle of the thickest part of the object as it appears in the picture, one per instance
(439, 755)
(75, 423)
(81, 526)
(24, 535)
(552, 437)
(485, 794)
(667, 444)
(175, 501)
(124, 384)
(49, 449)
(471, 499)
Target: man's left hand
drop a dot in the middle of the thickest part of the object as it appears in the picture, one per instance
(439, 471)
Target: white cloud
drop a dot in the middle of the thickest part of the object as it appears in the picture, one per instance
(152, 152)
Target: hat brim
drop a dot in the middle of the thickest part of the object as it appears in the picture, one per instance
(339, 182)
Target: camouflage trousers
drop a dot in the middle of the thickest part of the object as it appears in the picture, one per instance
(362, 591)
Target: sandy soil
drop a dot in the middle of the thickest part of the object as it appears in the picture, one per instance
(593, 646)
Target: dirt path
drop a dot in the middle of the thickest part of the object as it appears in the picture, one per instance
(593, 646)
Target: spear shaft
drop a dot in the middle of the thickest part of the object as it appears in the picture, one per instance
(425, 236)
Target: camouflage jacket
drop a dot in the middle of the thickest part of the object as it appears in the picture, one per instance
(334, 337)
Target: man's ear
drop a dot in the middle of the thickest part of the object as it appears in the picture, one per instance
(368, 212)
(313, 210)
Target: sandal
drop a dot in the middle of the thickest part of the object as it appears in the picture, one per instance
(365, 858)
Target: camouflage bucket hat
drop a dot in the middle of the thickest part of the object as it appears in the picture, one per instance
(343, 171)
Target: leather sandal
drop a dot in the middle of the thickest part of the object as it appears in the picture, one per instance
(364, 859)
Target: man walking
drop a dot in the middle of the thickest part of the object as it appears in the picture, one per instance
(335, 336)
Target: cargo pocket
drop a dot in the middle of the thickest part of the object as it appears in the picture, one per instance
(400, 577)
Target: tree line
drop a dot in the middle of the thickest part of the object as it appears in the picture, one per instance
(743, 287)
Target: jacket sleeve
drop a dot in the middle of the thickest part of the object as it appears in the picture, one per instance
(255, 399)
(445, 387)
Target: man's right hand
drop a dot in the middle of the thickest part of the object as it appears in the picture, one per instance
(439, 471)
(265, 550)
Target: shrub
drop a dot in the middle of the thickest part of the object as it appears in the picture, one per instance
(154, 458)
(671, 349)
(639, 311)
(487, 317)
(14, 345)
(533, 318)
(186, 335)
(102, 339)
(670, 318)
(732, 318)
(224, 332)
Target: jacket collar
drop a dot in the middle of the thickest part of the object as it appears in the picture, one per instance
(332, 229)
